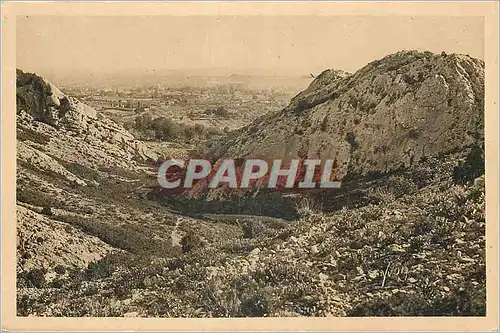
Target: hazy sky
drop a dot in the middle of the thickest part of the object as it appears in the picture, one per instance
(265, 45)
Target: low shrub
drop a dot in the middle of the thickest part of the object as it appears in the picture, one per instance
(190, 242)
(34, 278)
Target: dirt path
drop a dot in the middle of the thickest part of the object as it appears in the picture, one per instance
(176, 236)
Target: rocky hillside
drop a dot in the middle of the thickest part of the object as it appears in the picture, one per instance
(49, 122)
(389, 114)
(64, 148)
(413, 246)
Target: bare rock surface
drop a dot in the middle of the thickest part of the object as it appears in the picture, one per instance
(43, 242)
(44, 162)
(387, 115)
(70, 130)
(66, 151)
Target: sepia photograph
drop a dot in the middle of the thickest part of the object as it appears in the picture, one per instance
(225, 165)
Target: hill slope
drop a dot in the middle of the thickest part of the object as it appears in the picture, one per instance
(389, 114)
(64, 149)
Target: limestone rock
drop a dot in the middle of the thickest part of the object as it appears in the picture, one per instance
(76, 131)
(387, 115)
(43, 242)
(42, 161)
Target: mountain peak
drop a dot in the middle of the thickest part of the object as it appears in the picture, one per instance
(390, 113)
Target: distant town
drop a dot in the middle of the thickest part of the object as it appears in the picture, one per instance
(224, 106)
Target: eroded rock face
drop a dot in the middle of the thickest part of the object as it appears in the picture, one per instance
(389, 114)
(65, 150)
(55, 126)
(45, 243)
(39, 160)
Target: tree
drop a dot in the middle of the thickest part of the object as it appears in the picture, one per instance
(143, 122)
(138, 122)
(171, 130)
(147, 121)
(157, 126)
(165, 129)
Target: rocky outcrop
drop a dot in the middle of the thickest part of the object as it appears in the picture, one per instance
(39, 160)
(46, 103)
(53, 125)
(390, 114)
(67, 154)
(45, 243)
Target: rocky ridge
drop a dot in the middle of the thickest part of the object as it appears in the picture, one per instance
(63, 147)
(389, 114)
(70, 130)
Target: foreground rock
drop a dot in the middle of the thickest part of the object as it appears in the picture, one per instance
(45, 243)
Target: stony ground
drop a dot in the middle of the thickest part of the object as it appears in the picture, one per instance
(413, 246)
